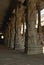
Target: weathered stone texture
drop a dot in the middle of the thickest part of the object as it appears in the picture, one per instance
(20, 38)
(33, 44)
(13, 32)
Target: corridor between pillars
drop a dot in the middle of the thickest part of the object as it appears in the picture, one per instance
(13, 37)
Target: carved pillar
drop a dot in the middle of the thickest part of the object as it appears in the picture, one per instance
(12, 31)
(9, 35)
(33, 44)
(39, 30)
(20, 38)
(6, 37)
(39, 16)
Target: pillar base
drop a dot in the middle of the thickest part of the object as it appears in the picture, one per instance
(35, 50)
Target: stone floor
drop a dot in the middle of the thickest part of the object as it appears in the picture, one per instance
(12, 57)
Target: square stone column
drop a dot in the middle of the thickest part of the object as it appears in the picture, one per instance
(34, 46)
(19, 38)
(12, 31)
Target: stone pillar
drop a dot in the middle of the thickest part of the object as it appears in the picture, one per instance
(39, 30)
(34, 46)
(9, 35)
(19, 37)
(12, 32)
(6, 37)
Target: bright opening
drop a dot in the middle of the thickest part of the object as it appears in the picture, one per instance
(2, 37)
(42, 23)
(43, 49)
(42, 19)
(22, 28)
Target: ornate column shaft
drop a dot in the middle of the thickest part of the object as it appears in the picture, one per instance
(19, 22)
(33, 46)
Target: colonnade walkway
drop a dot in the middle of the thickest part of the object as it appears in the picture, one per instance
(18, 57)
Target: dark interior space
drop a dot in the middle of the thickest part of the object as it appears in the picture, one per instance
(1, 39)
(7, 10)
